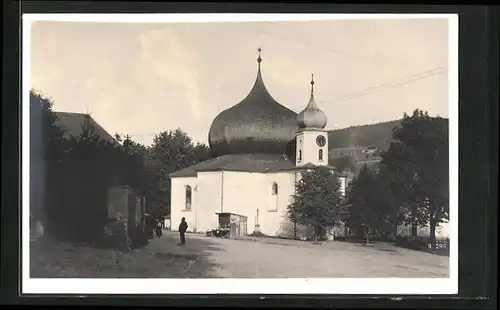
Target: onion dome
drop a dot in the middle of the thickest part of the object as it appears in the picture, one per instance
(258, 124)
(312, 117)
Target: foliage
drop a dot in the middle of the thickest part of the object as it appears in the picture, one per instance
(171, 151)
(135, 172)
(70, 177)
(46, 153)
(370, 206)
(89, 167)
(316, 200)
(417, 165)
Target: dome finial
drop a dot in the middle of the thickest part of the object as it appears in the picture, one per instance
(259, 59)
(312, 116)
(312, 84)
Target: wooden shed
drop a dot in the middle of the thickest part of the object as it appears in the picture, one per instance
(233, 225)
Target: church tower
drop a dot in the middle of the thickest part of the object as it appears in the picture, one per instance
(312, 138)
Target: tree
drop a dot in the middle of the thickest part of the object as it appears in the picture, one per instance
(316, 201)
(90, 166)
(418, 166)
(344, 163)
(171, 151)
(46, 153)
(134, 165)
(369, 204)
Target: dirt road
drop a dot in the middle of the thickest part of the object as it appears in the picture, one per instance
(251, 258)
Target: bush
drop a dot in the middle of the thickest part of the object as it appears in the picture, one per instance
(414, 243)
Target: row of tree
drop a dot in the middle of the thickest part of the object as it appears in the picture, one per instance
(70, 175)
(410, 186)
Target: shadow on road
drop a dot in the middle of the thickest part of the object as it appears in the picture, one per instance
(161, 258)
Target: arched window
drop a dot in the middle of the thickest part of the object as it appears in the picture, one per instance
(320, 154)
(274, 189)
(188, 197)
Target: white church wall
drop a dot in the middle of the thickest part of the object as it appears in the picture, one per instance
(243, 195)
(178, 202)
(208, 201)
(273, 220)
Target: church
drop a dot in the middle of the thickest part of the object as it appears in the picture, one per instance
(260, 148)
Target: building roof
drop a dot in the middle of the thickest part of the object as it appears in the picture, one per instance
(73, 124)
(258, 124)
(259, 163)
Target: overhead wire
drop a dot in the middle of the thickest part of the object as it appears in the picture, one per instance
(363, 92)
(394, 83)
(374, 60)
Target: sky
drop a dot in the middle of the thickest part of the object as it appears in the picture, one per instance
(142, 79)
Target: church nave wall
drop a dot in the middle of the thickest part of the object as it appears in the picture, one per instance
(178, 201)
(274, 213)
(243, 195)
(208, 200)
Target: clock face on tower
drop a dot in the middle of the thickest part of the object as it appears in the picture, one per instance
(321, 141)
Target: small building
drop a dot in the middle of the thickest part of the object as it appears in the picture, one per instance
(234, 224)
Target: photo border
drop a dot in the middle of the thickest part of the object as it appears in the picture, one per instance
(473, 140)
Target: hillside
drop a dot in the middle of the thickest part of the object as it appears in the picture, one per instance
(373, 135)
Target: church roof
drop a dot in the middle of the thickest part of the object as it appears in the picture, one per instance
(258, 124)
(259, 163)
(312, 166)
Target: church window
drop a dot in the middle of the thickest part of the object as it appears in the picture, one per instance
(188, 197)
(320, 154)
(275, 189)
(300, 155)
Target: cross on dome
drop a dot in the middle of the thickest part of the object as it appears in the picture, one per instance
(312, 83)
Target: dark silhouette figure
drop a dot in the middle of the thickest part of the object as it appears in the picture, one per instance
(158, 230)
(183, 226)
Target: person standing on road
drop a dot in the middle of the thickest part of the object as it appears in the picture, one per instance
(183, 226)
(158, 229)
